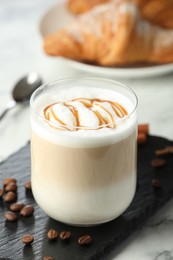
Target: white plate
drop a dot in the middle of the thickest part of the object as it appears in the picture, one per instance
(58, 16)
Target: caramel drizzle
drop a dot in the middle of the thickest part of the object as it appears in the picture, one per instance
(119, 110)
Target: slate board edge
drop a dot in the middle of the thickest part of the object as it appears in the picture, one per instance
(14, 154)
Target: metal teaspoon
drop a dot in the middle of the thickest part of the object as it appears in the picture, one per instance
(22, 91)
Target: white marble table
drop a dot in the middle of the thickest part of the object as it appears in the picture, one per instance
(20, 53)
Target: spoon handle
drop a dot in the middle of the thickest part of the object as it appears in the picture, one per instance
(8, 107)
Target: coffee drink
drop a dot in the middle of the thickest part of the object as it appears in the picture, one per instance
(83, 147)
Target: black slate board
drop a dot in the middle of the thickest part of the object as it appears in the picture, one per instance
(105, 237)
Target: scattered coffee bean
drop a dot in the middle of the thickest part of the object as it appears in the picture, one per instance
(1, 193)
(85, 240)
(65, 235)
(52, 234)
(162, 152)
(156, 183)
(48, 258)
(16, 206)
(11, 187)
(8, 180)
(28, 185)
(9, 196)
(170, 149)
(10, 216)
(27, 211)
(142, 138)
(158, 163)
(143, 128)
(28, 239)
(165, 151)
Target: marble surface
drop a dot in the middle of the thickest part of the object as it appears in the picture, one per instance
(20, 53)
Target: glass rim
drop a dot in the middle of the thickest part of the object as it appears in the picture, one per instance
(33, 109)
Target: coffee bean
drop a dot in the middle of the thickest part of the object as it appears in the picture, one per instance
(156, 183)
(27, 211)
(162, 152)
(170, 149)
(52, 234)
(9, 196)
(10, 216)
(27, 185)
(1, 193)
(16, 206)
(143, 128)
(142, 138)
(11, 187)
(85, 240)
(8, 180)
(28, 239)
(65, 235)
(158, 163)
(48, 258)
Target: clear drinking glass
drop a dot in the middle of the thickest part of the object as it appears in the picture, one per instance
(83, 176)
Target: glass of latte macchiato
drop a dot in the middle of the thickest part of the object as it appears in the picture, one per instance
(83, 149)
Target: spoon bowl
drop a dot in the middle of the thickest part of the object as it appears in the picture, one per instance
(26, 86)
(23, 90)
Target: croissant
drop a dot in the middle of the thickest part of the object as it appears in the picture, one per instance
(81, 6)
(157, 11)
(112, 34)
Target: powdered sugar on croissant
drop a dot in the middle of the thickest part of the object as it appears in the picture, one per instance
(93, 23)
(81, 6)
(112, 34)
(159, 12)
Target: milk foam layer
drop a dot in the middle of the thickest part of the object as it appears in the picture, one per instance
(120, 124)
(84, 113)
